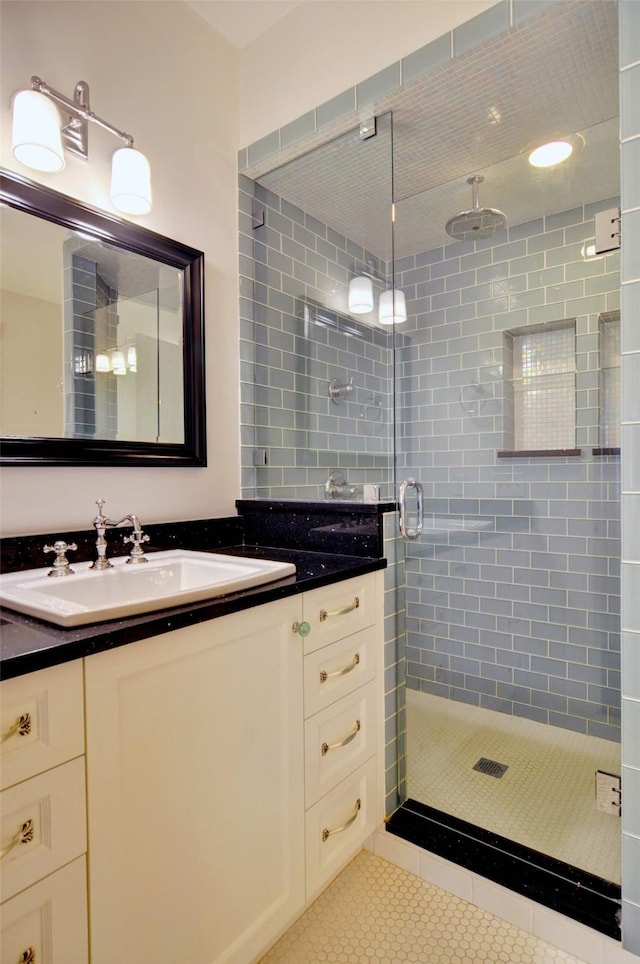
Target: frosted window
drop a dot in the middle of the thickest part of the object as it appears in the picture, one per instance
(544, 389)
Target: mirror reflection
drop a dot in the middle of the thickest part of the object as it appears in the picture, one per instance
(92, 337)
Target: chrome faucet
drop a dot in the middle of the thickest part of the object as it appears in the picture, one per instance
(101, 522)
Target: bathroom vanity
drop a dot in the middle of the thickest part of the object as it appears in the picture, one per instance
(233, 765)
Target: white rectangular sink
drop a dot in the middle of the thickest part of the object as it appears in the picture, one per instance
(170, 578)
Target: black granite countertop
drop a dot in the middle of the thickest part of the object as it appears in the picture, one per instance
(28, 644)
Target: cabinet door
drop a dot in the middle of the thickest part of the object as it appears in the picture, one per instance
(195, 790)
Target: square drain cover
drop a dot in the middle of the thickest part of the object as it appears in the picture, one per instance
(491, 767)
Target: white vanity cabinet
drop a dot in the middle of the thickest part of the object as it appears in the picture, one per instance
(232, 768)
(43, 817)
(196, 790)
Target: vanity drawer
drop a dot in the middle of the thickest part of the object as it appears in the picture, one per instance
(47, 923)
(41, 721)
(338, 610)
(43, 825)
(338, 824)
(337, 670)
(338, 740)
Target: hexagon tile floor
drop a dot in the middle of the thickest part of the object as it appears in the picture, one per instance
(377, 913)
(550, 779)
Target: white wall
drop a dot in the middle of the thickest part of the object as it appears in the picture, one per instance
(325, 46)
(156, 73)
(190, 100)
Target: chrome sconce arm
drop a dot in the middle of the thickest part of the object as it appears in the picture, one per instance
(75, 134)
(40, 139)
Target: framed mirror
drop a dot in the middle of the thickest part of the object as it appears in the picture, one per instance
(102, 337)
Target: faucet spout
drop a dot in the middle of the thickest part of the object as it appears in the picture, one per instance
(101, 522)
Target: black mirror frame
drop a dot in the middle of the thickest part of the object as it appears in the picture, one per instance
(18, 192)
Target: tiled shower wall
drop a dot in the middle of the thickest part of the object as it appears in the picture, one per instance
(630, 327)
(90, 325)
(294, 435)
(516, 607)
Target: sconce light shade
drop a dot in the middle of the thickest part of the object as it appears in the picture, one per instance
(130, 182)
(392, 307)
(102, 362)
(118, 366)
(36, 139)
(360, 296)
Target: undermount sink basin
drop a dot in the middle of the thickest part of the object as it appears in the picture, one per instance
(170, 578)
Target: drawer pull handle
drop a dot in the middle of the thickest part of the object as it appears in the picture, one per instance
(24, 835)
(329, 833)
(347, 739)
(28, 956)
(324, 676)
(21, 727)
(340, 612)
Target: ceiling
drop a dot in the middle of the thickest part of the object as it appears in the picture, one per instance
(242, 21)
(555, 74)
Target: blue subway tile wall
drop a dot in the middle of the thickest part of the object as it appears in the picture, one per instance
(630, 619)
(297, 348)
(513, 591)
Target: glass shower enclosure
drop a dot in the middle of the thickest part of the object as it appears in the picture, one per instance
(495, 401)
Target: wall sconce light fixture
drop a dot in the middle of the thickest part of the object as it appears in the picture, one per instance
(392, 307)
(40, 140)
(360, 295)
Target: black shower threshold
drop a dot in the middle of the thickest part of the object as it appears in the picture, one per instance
(566, 889)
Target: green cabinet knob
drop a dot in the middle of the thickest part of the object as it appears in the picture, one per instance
(302, 629)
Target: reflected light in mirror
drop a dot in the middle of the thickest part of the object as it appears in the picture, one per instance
(360, 295)
(392, 308)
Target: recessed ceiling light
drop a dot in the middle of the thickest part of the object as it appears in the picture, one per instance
(547, 155)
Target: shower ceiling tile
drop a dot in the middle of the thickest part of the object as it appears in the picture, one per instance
(552, 75)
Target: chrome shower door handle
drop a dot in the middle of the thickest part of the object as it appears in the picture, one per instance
(409, 532)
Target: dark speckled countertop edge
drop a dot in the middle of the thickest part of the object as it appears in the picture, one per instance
(30, 644)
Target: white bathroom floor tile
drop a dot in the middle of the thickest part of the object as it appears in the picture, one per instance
(378, 912)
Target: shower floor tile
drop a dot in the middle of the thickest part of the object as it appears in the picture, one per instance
(378, 912)
(546, 798)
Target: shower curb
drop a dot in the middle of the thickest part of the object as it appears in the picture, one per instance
(562, 887)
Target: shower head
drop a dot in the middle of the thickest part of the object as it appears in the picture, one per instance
(477, 222)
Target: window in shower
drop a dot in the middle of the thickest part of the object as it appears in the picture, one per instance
(609, 383)
(540, 390)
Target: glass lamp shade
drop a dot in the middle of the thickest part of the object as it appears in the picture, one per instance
(36, 139)
(102, 362)
(360, 296)
(118, 366)
(392, 308)
(130, 182)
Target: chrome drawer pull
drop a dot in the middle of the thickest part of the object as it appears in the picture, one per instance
(324, 749)
(324, 676)
(329, 833)
(340, 612)
(24, 835)
(21, 727)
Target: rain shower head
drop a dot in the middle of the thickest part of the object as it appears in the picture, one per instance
(477, 222)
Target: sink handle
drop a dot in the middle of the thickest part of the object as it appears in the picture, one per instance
(137, 538)
(61, 565)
